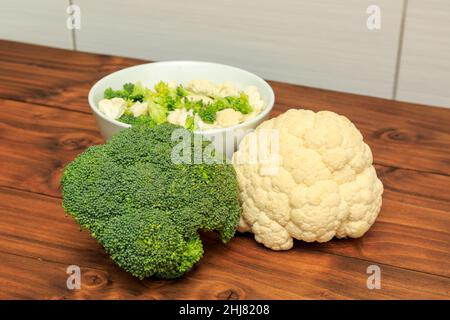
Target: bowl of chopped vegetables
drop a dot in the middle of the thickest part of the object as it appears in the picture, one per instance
(219, 102)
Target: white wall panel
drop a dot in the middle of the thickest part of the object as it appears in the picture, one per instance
(40, 22)
(425, 62)
(316, 43)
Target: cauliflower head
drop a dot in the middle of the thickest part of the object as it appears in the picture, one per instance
(324, 184)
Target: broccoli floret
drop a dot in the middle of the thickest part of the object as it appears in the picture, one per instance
(128, 88)
(147, 243)
(129, 118)
(181, 91)
(137, 92)
(145, 209)
(162, 88)
(167, 97)
(131, 92)
(190, 123)
(124, 93)
(208, 112)
(240, 103)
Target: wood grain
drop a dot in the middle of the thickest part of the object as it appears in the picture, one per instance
(38, 142)
(54, 77)
(241, 269)
(48, 123)
(390, 127)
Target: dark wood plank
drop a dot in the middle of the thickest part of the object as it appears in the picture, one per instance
(417, 236)
(417, 188)
(34, 262)
(54, 137)
(45, 131)
(418, 136)
(50, 76)
(37, 142)
(49, 123)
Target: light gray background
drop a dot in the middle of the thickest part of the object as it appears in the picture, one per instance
(323, 44)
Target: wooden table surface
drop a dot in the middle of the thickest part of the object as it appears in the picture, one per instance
(46, 122)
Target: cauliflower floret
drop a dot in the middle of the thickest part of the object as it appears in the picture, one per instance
(250, 115)
(226, 89)
(197, 97)
(179, 116)
(228, 117)
(172, 85)
(112, 108)
(325, 185)
(207, 88)
(139, 109)
(202, 87)
(254, 98)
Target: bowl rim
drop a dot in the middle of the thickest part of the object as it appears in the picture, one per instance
(267, 109)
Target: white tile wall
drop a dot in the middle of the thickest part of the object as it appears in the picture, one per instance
(425, 65)
(41, 22)
(316, 43)
(322, 43)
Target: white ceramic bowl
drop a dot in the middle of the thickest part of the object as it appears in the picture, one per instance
(182, 72)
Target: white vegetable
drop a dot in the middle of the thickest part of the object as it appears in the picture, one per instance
(197, 97)
(324, 185)
(172, 85)
(226, 89)
(139, 109)
(207, 88)
(179, 116)
(254, 98)
(202, 87)
(228, 117)
(113, 108)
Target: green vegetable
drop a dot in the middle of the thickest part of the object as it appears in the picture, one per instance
(124, 93)
(208, 113)
(240, 103)
(157, 112)
(128, 87)
(162, 88)
(129, 118)
(168, 98)
(190, 125)
(131, 92)
(196, 106)
(164, 96)
(164, 99)
(145, 209)
(181, 91)
(148, 242)
(138, 93)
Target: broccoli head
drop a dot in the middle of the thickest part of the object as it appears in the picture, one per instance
(145, 209)
(148, 242)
